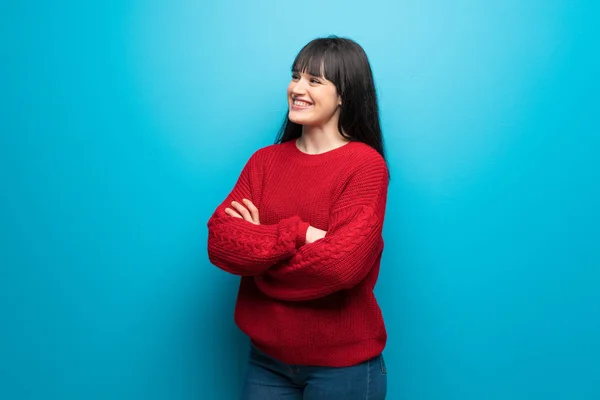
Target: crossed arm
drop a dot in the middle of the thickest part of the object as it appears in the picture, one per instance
(294, 261)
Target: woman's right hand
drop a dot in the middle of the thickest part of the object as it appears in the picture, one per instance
(313, 234)
(248, 213)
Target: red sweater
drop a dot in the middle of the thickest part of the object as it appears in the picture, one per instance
(307, 304)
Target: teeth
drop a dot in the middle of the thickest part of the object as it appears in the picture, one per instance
(301, 103)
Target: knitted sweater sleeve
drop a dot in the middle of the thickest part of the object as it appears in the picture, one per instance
(352, 246)
(243, 248)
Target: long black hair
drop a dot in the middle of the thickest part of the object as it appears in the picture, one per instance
(345, 63)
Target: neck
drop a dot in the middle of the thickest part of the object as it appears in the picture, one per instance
(316, 140)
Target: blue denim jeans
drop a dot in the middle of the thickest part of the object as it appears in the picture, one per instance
(270, 379)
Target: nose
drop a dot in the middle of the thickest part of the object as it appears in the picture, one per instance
(298, 87)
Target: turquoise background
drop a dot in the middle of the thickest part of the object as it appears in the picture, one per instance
(123, 125)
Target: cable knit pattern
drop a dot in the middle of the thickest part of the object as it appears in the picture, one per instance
(309, 304)
(246, 249)
(339, 261)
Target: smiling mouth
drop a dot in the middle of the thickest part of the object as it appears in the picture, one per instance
(300, 103)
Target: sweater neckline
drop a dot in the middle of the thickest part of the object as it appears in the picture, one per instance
(319, 157)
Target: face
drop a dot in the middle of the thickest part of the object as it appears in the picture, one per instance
(313, 100)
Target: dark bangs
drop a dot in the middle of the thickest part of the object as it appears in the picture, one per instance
(323, 59)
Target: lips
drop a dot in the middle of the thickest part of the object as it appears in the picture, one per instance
(300, 104)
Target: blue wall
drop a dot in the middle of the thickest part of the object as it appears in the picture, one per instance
(123, 124)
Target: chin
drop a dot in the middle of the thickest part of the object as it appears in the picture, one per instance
(299, 121)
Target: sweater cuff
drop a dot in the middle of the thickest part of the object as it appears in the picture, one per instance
(301, 238)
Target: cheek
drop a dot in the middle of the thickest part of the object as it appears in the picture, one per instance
(332, 102)
(332, 98)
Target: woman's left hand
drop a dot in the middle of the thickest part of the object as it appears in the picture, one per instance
(246, 211)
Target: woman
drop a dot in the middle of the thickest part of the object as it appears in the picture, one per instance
(303, 229)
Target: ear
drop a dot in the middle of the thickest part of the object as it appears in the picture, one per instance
(339, 99)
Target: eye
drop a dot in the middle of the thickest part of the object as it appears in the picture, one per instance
(315, 80)
(295, 76)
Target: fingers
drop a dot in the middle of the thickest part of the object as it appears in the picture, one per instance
(238, 210)
(232, 213)
(253, 211)
(243, 211)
